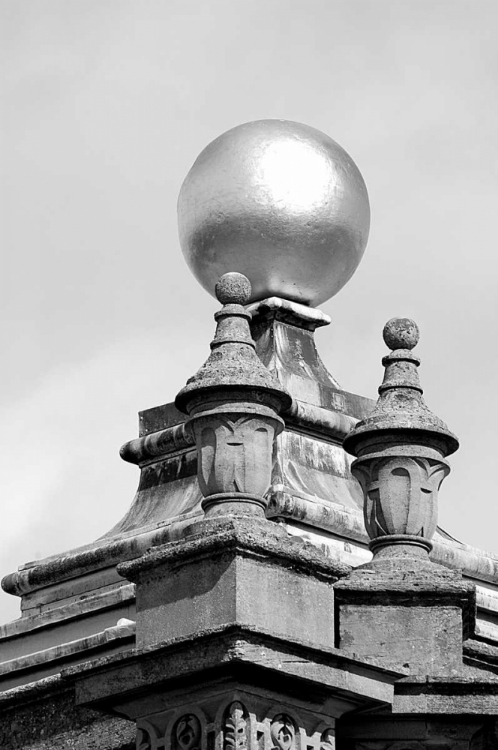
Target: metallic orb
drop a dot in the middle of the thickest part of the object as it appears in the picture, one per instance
(281, 203)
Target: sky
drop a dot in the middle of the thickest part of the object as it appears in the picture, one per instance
(105, 106)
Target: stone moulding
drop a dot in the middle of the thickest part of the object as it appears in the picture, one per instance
(474, 563)
(327, 424)
(252, 537)
(161, 443)
(457, 695)
(235, 652)
(65, 651)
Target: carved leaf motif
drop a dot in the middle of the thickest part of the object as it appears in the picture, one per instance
(143, 740)
(400, 494)
(234, 455)
(327, 740)
(187, 733)
(147, 737)
(283, 732)
(235, 727)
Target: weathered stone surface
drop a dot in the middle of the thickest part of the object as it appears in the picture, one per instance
(44, 716)
(136, 683)
(400, 448)
(457, 694)
(283, 332)
(233, 361)
(235, 570)
(392, 732)
(233, 404)
(406, 614)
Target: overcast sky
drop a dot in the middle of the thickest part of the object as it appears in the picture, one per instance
(106, 104)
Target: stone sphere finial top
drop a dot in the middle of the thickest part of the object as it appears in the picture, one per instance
(233, 289)
(281, 202)
(401, 333)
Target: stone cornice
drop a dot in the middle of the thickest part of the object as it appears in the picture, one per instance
(247, 536)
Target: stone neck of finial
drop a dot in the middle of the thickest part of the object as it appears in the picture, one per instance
(401, 371)
(232, 327)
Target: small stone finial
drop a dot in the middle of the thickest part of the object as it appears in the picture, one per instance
(233, 289)
(233, 403)
(401, 333)
(401, 449)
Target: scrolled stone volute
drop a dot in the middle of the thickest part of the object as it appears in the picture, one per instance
(400, 453)
(233, 403)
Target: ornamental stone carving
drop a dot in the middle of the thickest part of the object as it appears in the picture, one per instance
(233, 404)
(242, 722)
(283, 732)
(235, 455)
(187, 733)
(401, 449)
(235, 729)
(327, 739)
(400, 494)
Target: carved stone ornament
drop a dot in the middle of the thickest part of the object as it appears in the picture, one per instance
(233, 404)
(401, 449)
(235, 454)
(240, 722)
(327, 740)
(400, 494)
(148, 738)
(235, 729)
(283, 732)
(187, 733)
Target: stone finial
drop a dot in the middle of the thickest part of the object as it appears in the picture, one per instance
(401, 333)
(401, 449)
(233, 404)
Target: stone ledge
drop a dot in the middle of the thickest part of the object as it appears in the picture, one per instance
(423, 585)
(235, 650)
(248, 536)
(84, 605)
(460, 695)
(65, 651)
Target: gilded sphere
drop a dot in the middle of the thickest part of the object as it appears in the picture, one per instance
(279, 202)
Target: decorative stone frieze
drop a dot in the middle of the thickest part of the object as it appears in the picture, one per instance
(239, 722)
(233, 404)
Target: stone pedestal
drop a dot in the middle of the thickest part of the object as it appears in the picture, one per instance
(235, 634)
(235, 570)
(407, 613)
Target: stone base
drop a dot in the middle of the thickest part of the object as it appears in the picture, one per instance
(233, 689)
(407, 613)
(235, 570)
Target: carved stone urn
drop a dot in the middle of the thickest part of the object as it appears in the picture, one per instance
(401, 450)
(233, 404)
